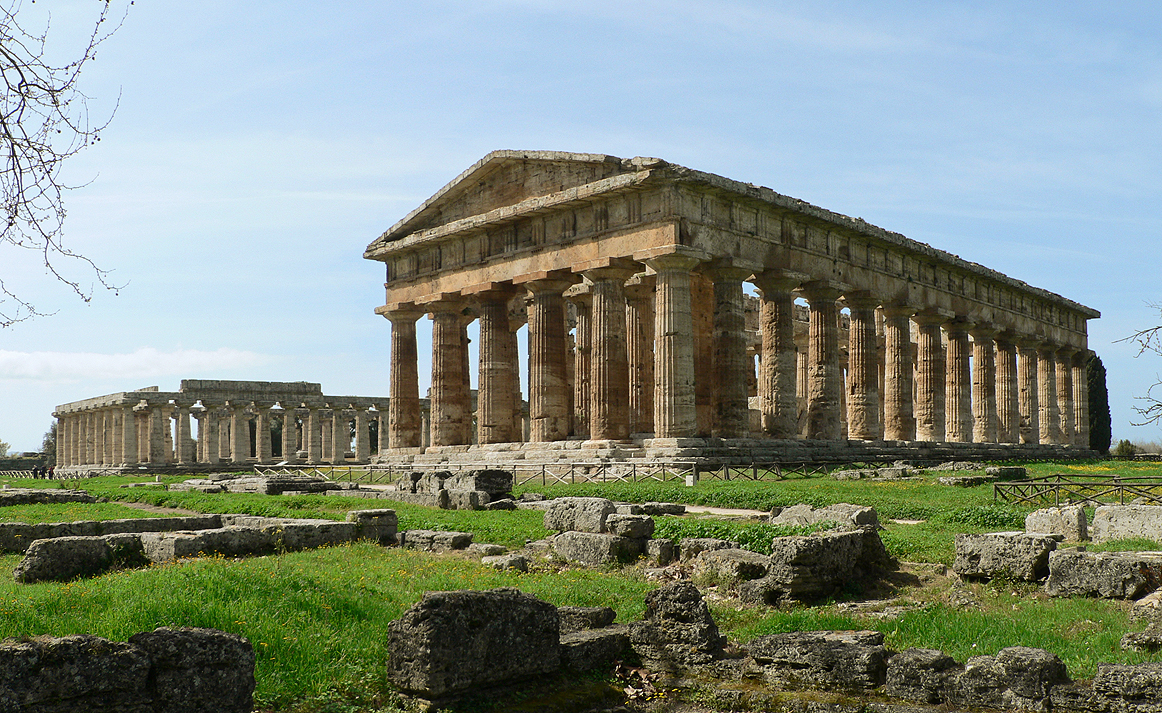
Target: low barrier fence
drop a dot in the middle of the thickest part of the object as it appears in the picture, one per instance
(1079, 488)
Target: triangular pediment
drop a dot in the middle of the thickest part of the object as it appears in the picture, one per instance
(504, 178)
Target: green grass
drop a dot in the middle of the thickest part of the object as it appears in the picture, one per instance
(71, 512)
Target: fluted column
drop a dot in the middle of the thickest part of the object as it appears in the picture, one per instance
(548, 377)
(449, 400)
(497, 370)
(262, 446)
(100, 449)
(899, 418)
(1008, 390)
(1066, 423)
(958, 383)
(930, 375)
(208, 434)
(1027, 379)
(639, 326)
(731, 402)
(674, 412)
(362, 436)
(1081, 398)
(608, 413)
(290, 433)
(313, 436)
(802, 367)
(863, 377)
(778, 375)
(824, 372)
(1050, 415)
(340, 436)
(184, 446)
(239, 433)
(158, 425)
(984, 385)
(403, 410)
(582, 300)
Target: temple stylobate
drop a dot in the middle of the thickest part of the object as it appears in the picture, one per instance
(631, 277)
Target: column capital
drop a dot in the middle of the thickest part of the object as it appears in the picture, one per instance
(450, 304)
(894, 311)
(822, 290)
(932, 317)
(958, 325)
(400, 311)
(1027, 343)
(1067, 351)
(984, 331)
(673, 261)
(860, 299)
(640, 286)
(487, 291)
(729, 268)
(613, 270)
(778, 280)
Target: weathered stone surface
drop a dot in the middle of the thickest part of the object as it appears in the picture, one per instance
(677, 631)
(1147, 609)
(451, 642)
(511, 561)
(1124, 522)
(920, 675)
(1007, 472)
(17, 536)
(661, 552)
(1017, 677)
(502, 504)
(467, 499)
(592, 649)
(1108, 575)
(492, 481)
(65, 558)
(729, 567)
(583, 618)
(1016, 555)
(381, 525)
(579, 514)
(630, 525)
(654, 509)
(39, 496)
(295, 535)
(487, 549)
(1127, 688)
(842, 513)
(1148, 641)
(591, 548)
(822, 659)
(808, 568)
(198, 669)
(1068, 521)
(232, 541)
(689, 547)
(435, 540)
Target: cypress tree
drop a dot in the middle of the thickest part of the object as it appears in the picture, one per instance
(1100, 423)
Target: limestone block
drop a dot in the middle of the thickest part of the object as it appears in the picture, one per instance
(1107, 575)
(64, 558)
(1132, 689)
(380, 525)
(583, 618)
(1148, 609)
(452, 642)
(510, 561)
(232, 541)
(591, 649)
(485, 549)
(579, 514)
(689, 547)
(808, 568)
(491, 480)
(920, 675)
(296, 535)
(198, 669)
(1068, 521)
(677, 631)
(1007, 472)
(466, 499)
(502, 504)
(435, 540)
(628, 509)
(1016, 555)
(591, 548)
(1017, 677)
(639, 526)
(842, 513)
(849, 660)
(1123, 522)
(1148, 641)
(729, 567)
(76, 673)
(660, 552)
(36, 496)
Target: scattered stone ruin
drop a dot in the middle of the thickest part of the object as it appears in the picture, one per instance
(650, 259)
(168, 670)
(234, 427)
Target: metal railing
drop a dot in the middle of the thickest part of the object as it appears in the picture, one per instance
(1085, 488)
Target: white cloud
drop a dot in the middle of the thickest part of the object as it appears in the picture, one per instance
(143, 363)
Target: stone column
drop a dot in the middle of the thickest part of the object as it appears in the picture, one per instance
(608, 413)
(899, 421)
(731, 403)
(863, 377)
(824, 371)
(702, 317)
(262, 446)
(639, 325)
(313, 436)
(362, 436)
(115, 436)
(548, 377)
(239, 434)
(1050, 415)
(211, 434)
(128, 454)
(224, 442)
(449, 400)
(290, 434)
(340, 436)
(930, 374)
(102, 433)
(1008, 390)
(1081, 398)
(498, 370)
(674, 413)
(778, 375)
(958, 382)
(1066, 423)
(802, 367)
(158, 425)
(984, 385)
(582, 300)
(184, 446)
(403, 411)
(381, 421)
(1027, 379)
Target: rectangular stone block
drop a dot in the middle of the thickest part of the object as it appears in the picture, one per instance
(435, 540)
(1124, 522)
(1068, 521)
(579, 514)
(1017, 555)
(228, 541)
(593, 548)
(1107, 575)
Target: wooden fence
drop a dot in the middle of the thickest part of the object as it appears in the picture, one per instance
(1090, 489)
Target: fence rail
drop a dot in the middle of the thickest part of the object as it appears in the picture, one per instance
(1092, 489)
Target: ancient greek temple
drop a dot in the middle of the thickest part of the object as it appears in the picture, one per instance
(631, 276)
(236, 424)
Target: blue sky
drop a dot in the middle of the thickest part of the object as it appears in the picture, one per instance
(258, 147)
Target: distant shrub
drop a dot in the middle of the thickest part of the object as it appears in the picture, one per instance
(1124, 449)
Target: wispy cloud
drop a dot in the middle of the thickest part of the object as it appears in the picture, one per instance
(143, 363)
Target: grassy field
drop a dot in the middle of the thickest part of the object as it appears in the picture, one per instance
(318, 620)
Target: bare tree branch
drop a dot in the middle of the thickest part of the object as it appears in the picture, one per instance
(44, 120)
(1149, 340)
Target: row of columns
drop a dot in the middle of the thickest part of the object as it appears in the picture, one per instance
(129, 435)
(634, 365)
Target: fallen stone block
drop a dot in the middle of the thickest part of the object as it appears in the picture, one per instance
(43, 496)
(849, 660)
(841, 513)
(1148, 641)
(487, 549)
(677, 631)
(1007, 472)
(435, 540)
(660, 552)
(637, 526)
(729, 568)
(584, 618)
(232, 541)
(920, 675)
(689, 547)
(1068, 521)
(452, 642)
(511, 561)
(1147, 609)
(466, 499)
(1017, 555)
(1127, 689)
(493, 481)
(592, 649)
(1125, 522)
(198, 669)
(65, 558)
(381, 525)
(590, 548)
(808, 568)
(579, 514)
(296, 535)
(17, 536)
(1017, 677)
(1106, 575)
(965, 481)
(502, 504)
(628, 509)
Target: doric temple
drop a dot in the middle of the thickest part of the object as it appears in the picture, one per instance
(237, 422)
(631, 273)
